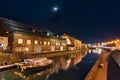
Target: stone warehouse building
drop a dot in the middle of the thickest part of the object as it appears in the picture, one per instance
(72, 43)
(18, 37)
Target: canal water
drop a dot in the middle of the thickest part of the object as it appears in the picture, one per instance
(70, 67)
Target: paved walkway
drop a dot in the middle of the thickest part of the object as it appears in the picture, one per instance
(102, 72)
(110, 71)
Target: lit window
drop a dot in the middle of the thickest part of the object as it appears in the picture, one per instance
(61, 48)
(35, 42)
(20, 41)
(44, 42)
(26, 49)
(48, 43)
(63, 44)
(56, 43)
(28, 41)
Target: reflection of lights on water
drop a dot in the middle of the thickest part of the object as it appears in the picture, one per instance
(76, 67)
(89, 51)
(64, 63)
(68, 61)
(67, 64)
(20, 74)
(97, 50)
(46, 78)
(83, 55)
(40, 73)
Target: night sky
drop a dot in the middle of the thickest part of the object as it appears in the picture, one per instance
(88, 20)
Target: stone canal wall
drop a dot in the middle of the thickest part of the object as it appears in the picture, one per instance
(7, 59)
(116, 56)
(93, 72)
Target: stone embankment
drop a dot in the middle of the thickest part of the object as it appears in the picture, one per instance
(98, 71)
(7, 60)
(92, 74)
(116, 56)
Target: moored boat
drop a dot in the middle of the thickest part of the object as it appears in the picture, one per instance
(36, 63)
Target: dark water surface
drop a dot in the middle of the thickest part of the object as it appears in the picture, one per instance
(70, 67)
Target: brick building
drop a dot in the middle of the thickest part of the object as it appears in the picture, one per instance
(72, 43)
(18, 37)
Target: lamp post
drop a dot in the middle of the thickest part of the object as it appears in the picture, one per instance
(26, 49)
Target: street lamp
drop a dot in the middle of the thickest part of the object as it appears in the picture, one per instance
(26, 49)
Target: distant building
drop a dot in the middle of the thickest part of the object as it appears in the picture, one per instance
(18, 37)
(72, 43)
(117, 44)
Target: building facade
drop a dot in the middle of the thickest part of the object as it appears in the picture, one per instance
(72, 43)
(18, 37)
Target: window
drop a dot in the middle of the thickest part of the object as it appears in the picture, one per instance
(48, 43)
(63, 44)
(61, 48)
(59, 44)
(20, 41)
(45, 42)
(56, 43)
(35, 42)
(28, 41)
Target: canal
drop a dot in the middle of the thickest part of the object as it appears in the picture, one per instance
(69, 67)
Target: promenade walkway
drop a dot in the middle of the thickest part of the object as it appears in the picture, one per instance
(102, 72)
(110, 71)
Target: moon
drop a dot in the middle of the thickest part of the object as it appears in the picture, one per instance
(55, 8)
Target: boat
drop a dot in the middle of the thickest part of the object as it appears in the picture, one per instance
(36, 63)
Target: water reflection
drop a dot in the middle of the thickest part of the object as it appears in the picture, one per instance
(9, 75)
(67, 64)
(96, 50)
(61, 63)
(2, 77)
